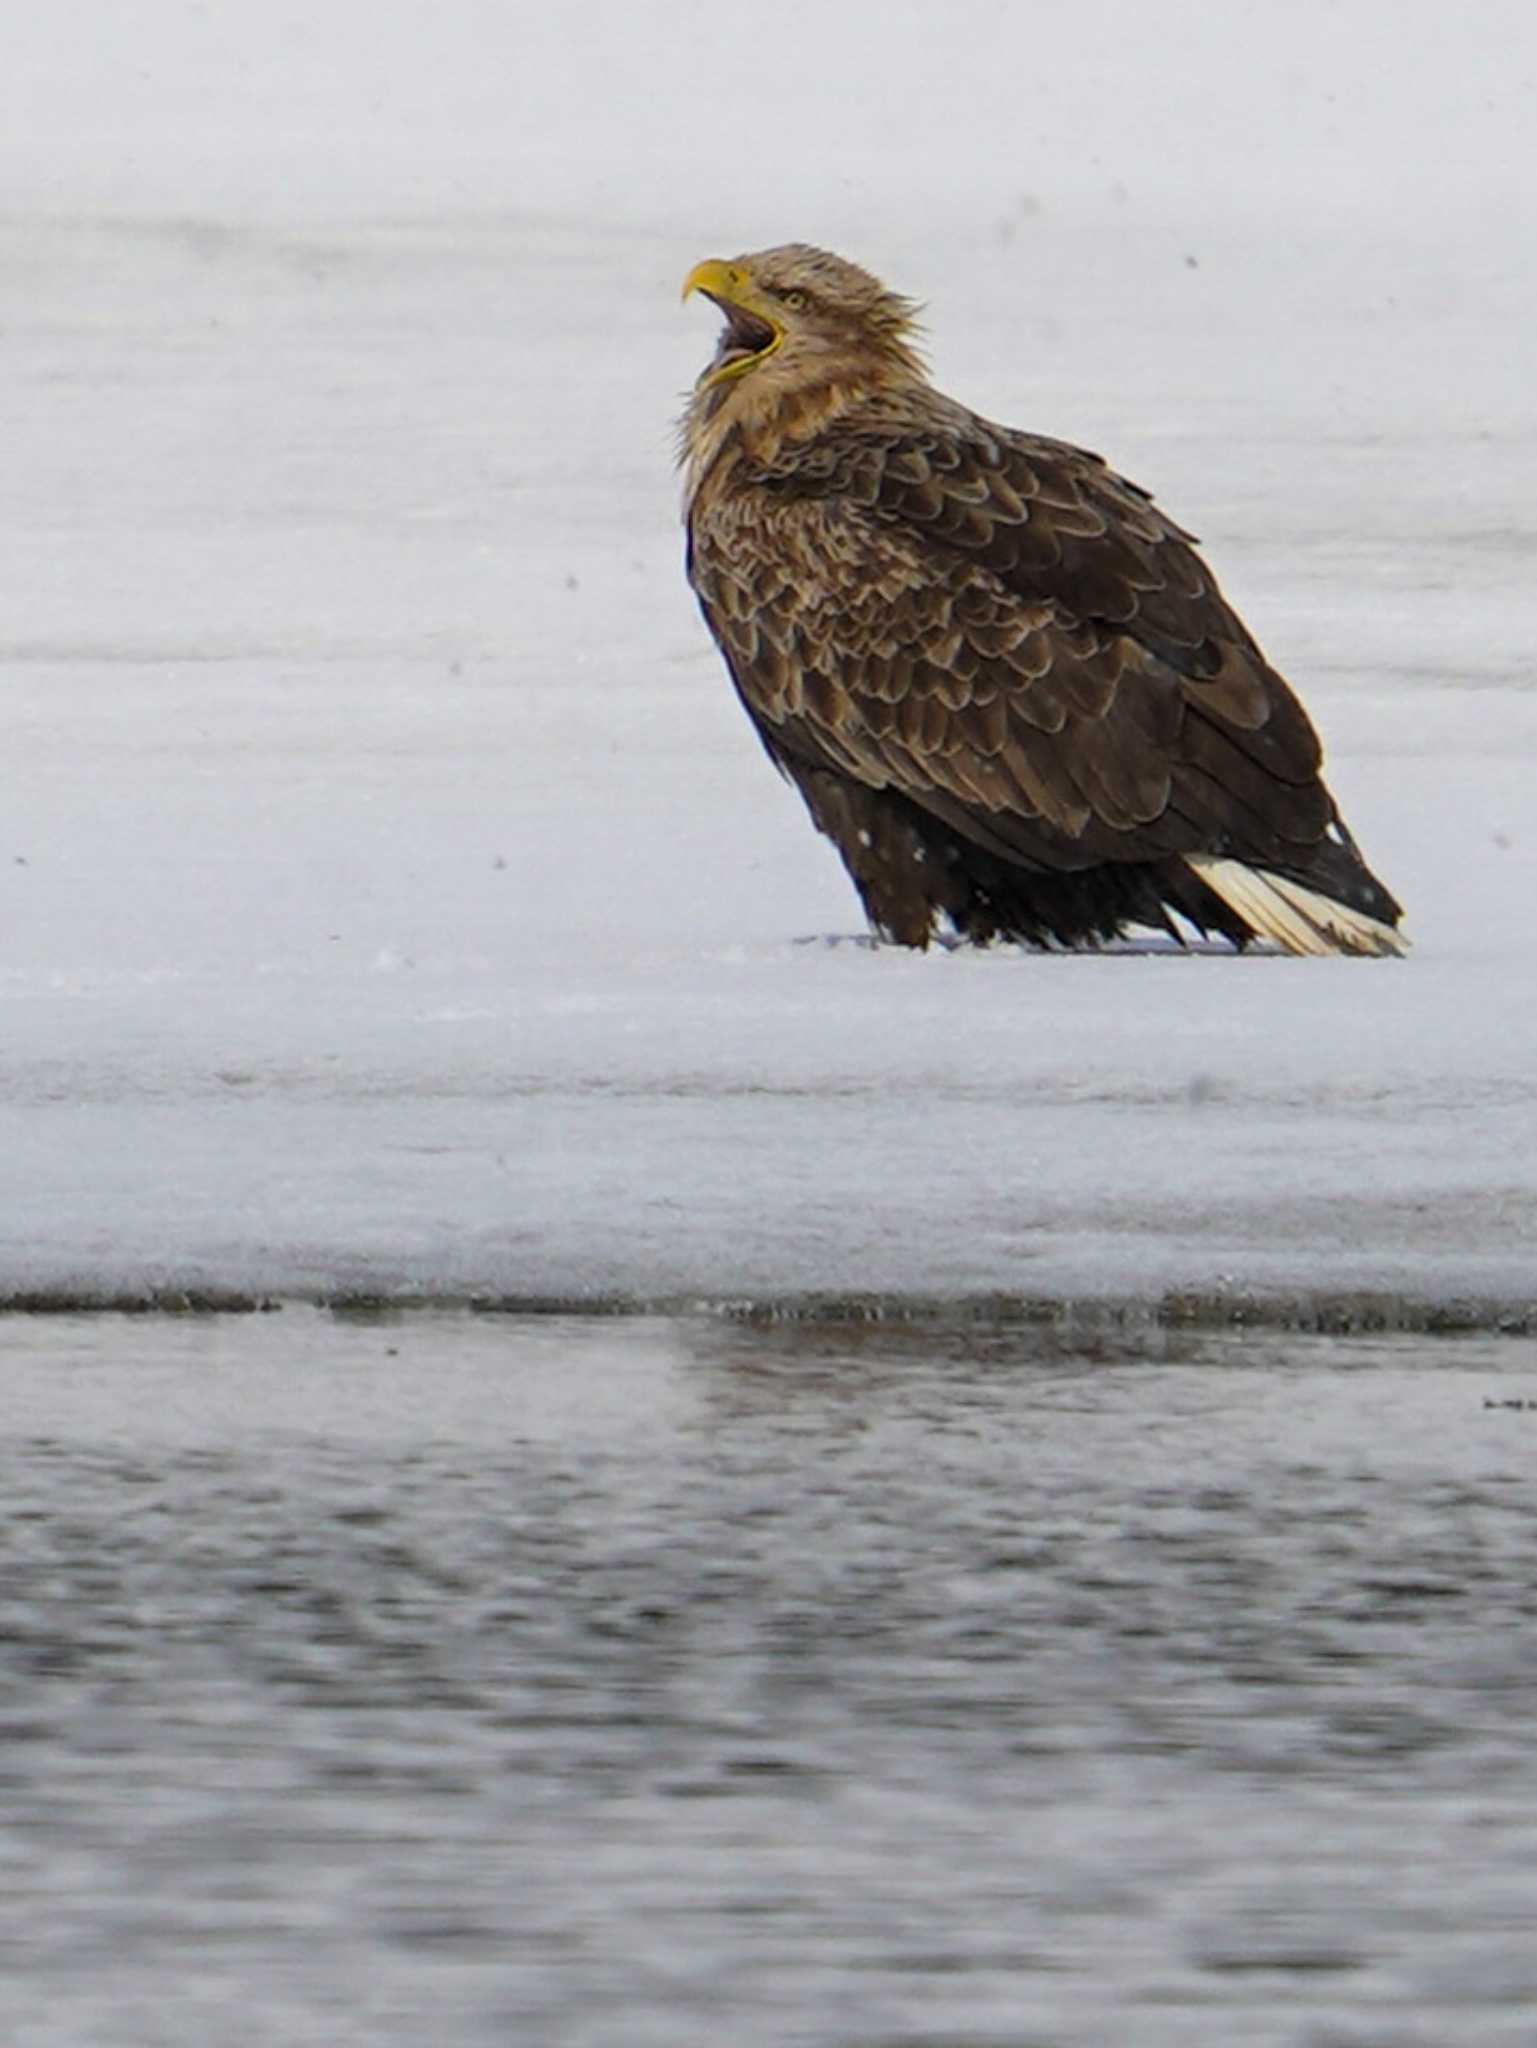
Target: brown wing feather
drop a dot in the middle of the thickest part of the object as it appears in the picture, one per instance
(1004, 631)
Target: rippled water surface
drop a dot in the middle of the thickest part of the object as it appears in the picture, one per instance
(614, 1684)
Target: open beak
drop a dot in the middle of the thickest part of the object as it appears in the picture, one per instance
(751, 332)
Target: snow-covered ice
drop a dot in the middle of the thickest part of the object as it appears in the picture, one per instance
(393, 896)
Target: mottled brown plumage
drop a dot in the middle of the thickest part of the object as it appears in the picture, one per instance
(1008, 689)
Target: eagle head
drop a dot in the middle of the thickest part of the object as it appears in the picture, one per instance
(807, 336)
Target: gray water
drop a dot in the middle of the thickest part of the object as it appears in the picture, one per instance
(612, 1684)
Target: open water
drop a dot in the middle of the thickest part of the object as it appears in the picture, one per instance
(605, 1684)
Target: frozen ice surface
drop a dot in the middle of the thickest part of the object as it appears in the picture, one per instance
(393, 896)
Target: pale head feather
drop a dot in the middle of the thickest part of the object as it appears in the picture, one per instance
(841, 336)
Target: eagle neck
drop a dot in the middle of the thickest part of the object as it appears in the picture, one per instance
(759, 424)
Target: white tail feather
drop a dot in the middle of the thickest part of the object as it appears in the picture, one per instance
(1294, 917)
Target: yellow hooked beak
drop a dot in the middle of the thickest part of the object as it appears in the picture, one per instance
(715, 279)
(753, 329)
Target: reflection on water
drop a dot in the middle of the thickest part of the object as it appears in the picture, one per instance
(610, 1684)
